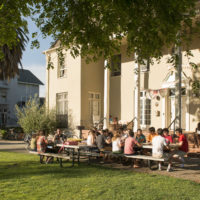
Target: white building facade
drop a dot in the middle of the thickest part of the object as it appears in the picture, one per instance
(87, 93)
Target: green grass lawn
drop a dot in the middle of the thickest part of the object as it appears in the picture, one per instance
(22, 177)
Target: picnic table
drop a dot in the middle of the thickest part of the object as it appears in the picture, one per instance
(72, 149)
(150, 146)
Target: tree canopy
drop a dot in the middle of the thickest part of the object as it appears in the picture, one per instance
(97, 28)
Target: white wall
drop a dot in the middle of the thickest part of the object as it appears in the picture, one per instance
(70, 84)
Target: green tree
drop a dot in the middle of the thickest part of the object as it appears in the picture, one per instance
(34, 117)
(97, 28)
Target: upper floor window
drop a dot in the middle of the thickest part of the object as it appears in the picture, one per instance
(62, 68)
(116, 65)
(145, 66)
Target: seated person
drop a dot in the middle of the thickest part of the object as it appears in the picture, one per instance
(33, 144)
(152, 134)
(198, 133)
(41, 142)
(124, 134)
(158, 144)
(91, 138)
(116, 143)
(101, 140)
(140, 137)
(183, 146)
(130, 143)
(58, 138)
(167, 136)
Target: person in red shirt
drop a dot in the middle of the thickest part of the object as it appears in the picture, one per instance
(183, 143)
(183, 146)
(167, 136)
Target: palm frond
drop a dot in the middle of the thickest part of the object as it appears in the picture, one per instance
(9, 65)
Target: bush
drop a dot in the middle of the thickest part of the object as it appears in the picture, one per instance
(3, 133)
(34, 117)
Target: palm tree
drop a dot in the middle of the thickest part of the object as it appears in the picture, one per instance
(9, 65)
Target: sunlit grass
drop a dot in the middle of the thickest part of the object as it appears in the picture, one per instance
(22, 177)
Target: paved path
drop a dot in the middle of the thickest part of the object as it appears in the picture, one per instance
(13, 146)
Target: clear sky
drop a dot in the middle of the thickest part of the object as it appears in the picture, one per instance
(33, 59)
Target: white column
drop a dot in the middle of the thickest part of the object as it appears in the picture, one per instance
(137, 98)
(163, 112)
(187, 118)
(106, 95)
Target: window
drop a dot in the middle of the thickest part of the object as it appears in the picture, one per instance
(172, 92)
(3, 96)
(94, 106)
(145, 110)
(62, 109)
(62, 68)
(145, 66)
(116, 65)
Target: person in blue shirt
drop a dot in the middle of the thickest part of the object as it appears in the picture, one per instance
(140, 137)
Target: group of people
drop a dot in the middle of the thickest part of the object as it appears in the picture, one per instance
(39, 141)
(124, 141)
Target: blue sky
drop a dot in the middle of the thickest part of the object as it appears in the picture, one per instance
(33, 59)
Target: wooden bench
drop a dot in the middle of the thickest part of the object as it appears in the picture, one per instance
(54, 155)
(148, 158)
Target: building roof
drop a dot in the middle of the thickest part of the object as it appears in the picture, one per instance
(26, 76)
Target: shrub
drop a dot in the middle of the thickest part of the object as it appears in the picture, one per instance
(33, 117)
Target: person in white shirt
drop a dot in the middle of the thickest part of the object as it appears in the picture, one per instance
(91, 138)
(116, 143)
(158, 144)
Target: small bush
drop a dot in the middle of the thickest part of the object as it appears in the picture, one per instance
(34, 117)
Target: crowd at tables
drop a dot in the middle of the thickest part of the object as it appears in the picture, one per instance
(124, 141)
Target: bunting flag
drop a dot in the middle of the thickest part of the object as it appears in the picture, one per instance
(151, 94)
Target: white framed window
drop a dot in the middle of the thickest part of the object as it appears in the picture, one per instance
(116, 65)
(62, 109)
(94, 106)
(3, 96)
(62, 69)
(145, 109)
(62, 103)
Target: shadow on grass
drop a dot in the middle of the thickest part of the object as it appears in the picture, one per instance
(21, 169)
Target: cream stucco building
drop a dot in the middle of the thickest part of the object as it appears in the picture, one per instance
(86, 93)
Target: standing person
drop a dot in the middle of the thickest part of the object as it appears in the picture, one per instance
(158, 144)
(140, 137)
(183, 146)
(152, 134)
(167, 136)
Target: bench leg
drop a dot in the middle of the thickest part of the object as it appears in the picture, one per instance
(149, 164)
(60, 161)
(41, 159)
(132, 162)
(78, 156)
(73, 158)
